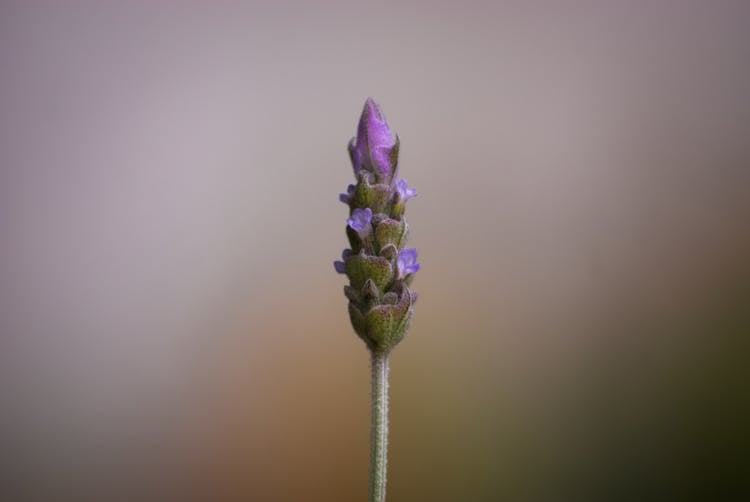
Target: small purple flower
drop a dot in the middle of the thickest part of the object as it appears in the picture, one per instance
(404, 192)
(374, 143)
(360, 221)
(344, 197)
(406, 263)
(340, 266)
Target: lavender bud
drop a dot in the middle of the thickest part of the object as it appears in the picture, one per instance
(375, 148)
(378, 267)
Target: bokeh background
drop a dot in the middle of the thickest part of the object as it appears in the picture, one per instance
(171, 324)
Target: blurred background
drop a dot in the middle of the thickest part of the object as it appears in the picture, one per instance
(171, 327)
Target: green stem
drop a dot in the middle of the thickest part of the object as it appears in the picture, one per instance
(379, 433)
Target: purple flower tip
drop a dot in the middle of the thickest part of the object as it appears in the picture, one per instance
(360, 221)
(374, 142)
(406, 263)
(404, 192)
(344, 197)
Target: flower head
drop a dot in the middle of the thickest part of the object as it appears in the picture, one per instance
(406, 263)
(360, 221)
(378, 268)
(373, 147)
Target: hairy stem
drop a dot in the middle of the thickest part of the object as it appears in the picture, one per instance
(379, 433)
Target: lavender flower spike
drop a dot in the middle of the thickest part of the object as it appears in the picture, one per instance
(379, 269)
(375, 148)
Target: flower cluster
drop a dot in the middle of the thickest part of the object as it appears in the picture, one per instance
(378, 266)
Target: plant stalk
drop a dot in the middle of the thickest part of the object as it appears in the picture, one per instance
(379, 431)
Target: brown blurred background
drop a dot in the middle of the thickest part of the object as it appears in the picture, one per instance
(171, 327)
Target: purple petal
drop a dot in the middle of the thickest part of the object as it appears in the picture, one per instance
(360, 221)
(404, 192)
(344, 197)
(406, 263)
(340, 267)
